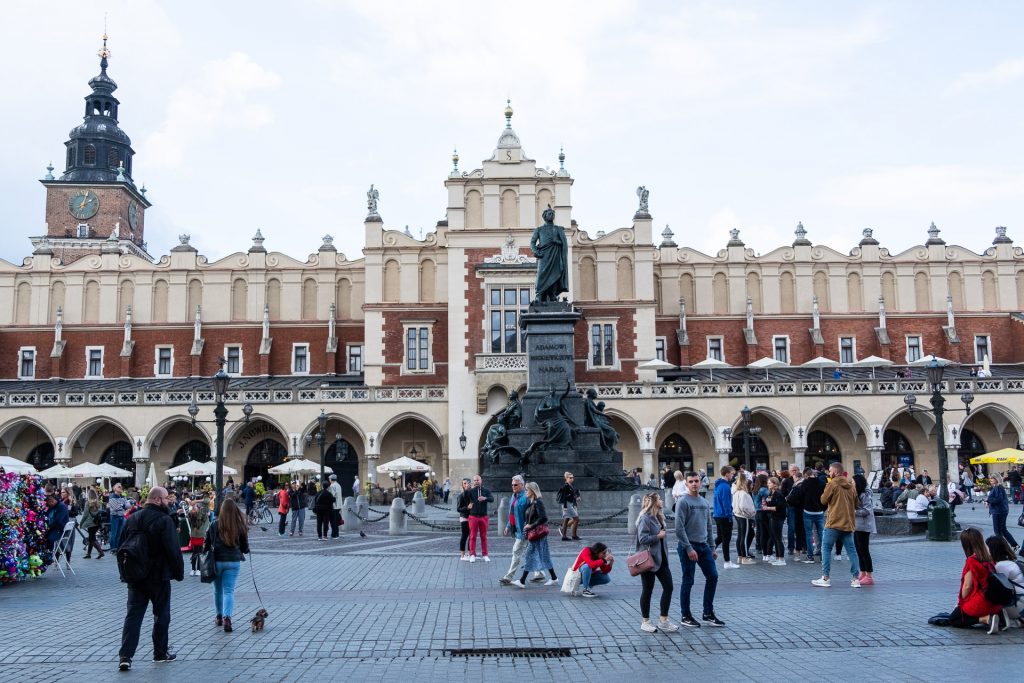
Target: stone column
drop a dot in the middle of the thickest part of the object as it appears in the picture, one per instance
(648, 457)
(798, 457)
(952, 466)
(876, 458)
(723, 456)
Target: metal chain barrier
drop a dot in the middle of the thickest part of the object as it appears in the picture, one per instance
(439, 507)
(439, 527)
(610, 517)
(383, 515)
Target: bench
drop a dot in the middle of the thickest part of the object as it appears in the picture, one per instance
(899, 523)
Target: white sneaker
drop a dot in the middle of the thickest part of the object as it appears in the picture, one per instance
(464, 558)
(486, 559)
(855, 584)
(472, 558)
(838, 558)
(822, 583)
(648, 627)
(730, 565)
(551, 582)
(768, 558)
(778, 563)
(667, 627)
(518, 584)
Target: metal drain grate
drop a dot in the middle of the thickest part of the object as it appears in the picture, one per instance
(538, 652)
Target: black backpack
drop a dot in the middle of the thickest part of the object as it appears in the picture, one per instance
(999, 590)
(133, 558)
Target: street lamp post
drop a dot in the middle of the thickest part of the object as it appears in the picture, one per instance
(220, 415)
(322, 422)
(938, 401)
(748, 431)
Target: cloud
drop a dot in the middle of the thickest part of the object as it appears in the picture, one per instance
(761, 237)
(219, 98)
(1000, 74)
(938, 188)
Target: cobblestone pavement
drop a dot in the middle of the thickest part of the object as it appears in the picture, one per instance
(390, 608)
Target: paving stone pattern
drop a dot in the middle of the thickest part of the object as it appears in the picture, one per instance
(390, 608)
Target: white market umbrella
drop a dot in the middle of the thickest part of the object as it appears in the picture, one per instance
(55, 472)
(655, 364)
(403, 464)
(710, 364)
(198, 469)
(820, 362)
(872, 362)
(765, 363)
(298, 466)
(151, 477)
(925, 361)
(111, 472)
(86, 470)
(14, 465)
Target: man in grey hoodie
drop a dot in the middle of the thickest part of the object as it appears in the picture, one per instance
(696, 547)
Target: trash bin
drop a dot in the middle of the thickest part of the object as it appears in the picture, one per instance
(940, 521)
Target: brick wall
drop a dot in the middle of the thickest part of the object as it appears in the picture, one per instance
(394, 345)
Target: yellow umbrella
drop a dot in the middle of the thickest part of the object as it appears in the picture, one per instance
(1004, 456)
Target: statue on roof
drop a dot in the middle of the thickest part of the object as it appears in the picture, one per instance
(551, 248)
(372, 195)
(643, 193)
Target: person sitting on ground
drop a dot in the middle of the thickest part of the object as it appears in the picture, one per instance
(595, 565)
(972, 607)
(1006, 563)
(919, 504)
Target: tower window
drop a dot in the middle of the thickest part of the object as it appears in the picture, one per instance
(90, 155)
(71, 157)
(113, 158)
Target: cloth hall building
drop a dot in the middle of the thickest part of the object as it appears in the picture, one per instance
(417, 342)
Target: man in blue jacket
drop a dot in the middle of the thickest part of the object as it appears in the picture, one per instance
(56, 518)
(514, 527)
(722, 513)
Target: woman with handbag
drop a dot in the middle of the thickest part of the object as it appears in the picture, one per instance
(538, 557)
(650, 536)
(91, 519)
(743, 511)
(199, 524)
(323, 508)
(229, 540)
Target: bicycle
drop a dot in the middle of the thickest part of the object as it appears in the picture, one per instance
(260, 513)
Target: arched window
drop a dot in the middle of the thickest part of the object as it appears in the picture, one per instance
(544, 197)
(889, 291)
(343, 459)
(588, 279)
(92, 302)
(71, 156)
(821, 449)
(896, 450)
(854, 293)
(989, 296)
(274, 298)
(787, 293)
(160, 290)
(922, 300)
(509, 209)
(56, 300)
(759, 458)
(956, 290)
(675, 453)
(391, 281)
(262, 457)
(195, 298)
(41, 457)
(474, 210)
(428, 281)
(821, 290)
(119, 454)
(239, 299)
(1020, 289)
(125, 298)
(688, 292)
(113, 158)
(343, 299)
(720, 293)
(754, 291)
(970, 446)
(90, 155)
(195, 450)
(659, 299)
(23, 303)
(309, 290)
(624, 278)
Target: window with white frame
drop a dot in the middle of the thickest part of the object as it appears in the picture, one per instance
(94, 361)
(982, 348)
(300, 359)
(164, 361)
(507, 303)
(417, 348)
(233, 359)
(780, 344)
(27, 362)
(847, 350)
(660, 346)
(355, 358)
(914, 350)
(602, 345)
(715, 351)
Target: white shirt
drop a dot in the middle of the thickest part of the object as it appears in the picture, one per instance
(1012, 571)
(919, 504)
(678, 490)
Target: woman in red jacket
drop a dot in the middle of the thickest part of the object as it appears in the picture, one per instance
(594, 564)
(972, 607)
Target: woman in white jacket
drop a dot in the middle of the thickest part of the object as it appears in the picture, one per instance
(743, 511)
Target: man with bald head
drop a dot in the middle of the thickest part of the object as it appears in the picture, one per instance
(165, 563)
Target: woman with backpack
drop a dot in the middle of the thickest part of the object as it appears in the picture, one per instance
(228, 538)
(1009, 566)
(90, 521)
(198, 524)
(323, 508)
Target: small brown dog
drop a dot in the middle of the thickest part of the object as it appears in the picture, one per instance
(259, 620)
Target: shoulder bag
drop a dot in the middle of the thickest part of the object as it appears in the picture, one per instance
(538, 532)
(208, 564)
(640, 561)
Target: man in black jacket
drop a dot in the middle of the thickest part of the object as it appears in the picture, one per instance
(807, 496)
(165, 564)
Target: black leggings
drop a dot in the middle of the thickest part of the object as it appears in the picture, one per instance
(91, 542)
(860, 542)
(323, 523)
(197, 557)
(465, 536)
(282, 523)
(775, 537)
(522, 579)
(744, 534)
(664, 575)
(723, 534)
(763, 532)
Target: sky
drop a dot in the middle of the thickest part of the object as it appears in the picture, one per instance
(750, 115)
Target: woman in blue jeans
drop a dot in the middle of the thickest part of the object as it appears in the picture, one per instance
(594, 564)
(228, 537)
(999, 508)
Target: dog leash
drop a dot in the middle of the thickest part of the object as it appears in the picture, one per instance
(253, 574)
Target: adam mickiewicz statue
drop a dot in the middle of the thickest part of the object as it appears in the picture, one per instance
(552, 251)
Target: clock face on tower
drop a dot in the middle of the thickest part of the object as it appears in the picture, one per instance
(133, 215)
(84, 204)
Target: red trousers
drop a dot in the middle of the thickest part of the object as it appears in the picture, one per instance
(477, 525)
